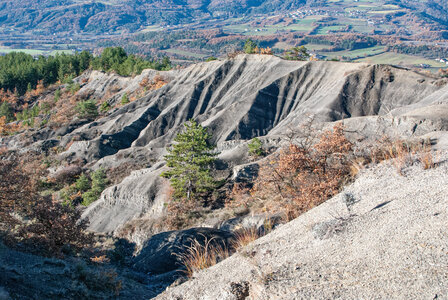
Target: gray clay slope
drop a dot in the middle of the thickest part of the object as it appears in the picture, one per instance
(391, 244)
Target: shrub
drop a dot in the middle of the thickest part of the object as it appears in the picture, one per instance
(83, 183)
(7, 129)
(87, 109)
(402, 152)
(250, 46)
(255, 147)
(57, 95)
(28, 220)
(301, 177)
(99, 183)
(67, 174)
(6, 111)
(211, 58)
(104, 107)
(74, 88)
(125, 99)
(297, 53)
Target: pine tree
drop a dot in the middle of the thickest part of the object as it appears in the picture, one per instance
(249, 46)
(87, 109)
(83, 183)
(190, 160)
(124, 99)
(255, 147)
(99, 183)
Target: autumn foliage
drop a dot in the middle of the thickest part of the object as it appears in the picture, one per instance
(33, 222)
(303, 176)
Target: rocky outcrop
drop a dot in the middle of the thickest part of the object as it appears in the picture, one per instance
(27, 276)
(323, 254)
(163, 252)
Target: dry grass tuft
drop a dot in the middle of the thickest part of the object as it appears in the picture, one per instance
(202, 256)
(426, 157)
(403, 153)
(245, 237)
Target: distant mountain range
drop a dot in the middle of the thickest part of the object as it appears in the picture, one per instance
(436, 10)
(107, 16)
(130, 15)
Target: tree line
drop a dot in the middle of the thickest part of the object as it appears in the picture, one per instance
(20, 72)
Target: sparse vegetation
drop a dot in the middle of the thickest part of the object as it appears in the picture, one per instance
(99, 183)
(32, 222)
(87, 109)
(302, 176)
(255, 147)
(402, 153)
(124, 99)
(297, 53)
(250, 46)
(201, 256)
(244, 237)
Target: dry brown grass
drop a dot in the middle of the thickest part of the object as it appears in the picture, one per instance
(202, 256)
(100, 259)
(357, 164)
(403, 153)
(426, 158)
(245, 237)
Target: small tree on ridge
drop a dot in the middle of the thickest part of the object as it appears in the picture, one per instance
(190, 160)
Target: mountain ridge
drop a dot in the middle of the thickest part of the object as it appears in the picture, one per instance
(133, 15)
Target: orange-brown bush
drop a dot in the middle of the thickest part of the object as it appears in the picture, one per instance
(7, 129)
(263, 51)
(64, 110)
(156, 83)
(301, 177)
(181, 214)
(35, 223)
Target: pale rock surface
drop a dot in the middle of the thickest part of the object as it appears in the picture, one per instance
(383, 237)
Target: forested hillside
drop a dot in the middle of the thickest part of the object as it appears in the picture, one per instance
(132, 15)
(435, 10)
(111, 15)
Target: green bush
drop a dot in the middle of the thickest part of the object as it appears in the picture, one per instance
(87, 109)
(211, 58)
(104, 107)
(99, 183)
(297, 53)
(83, 183)
(125, 99)
(73, 88)
(255, 147)
(6, 111)
(57, 95)
(249, 46)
